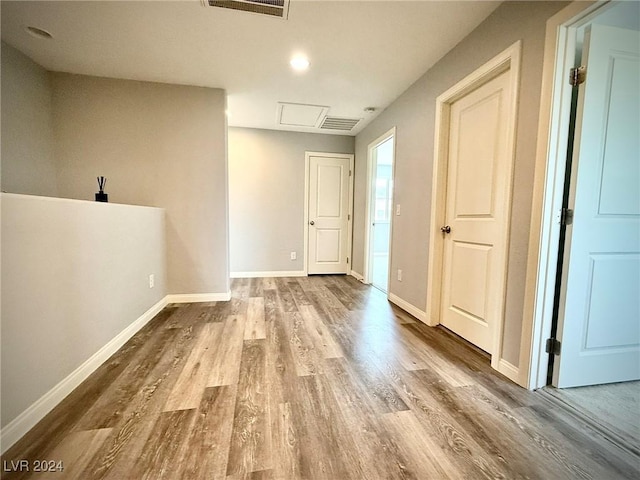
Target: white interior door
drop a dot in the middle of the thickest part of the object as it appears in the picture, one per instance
(478, 182)
(599, 324)
(328, 214)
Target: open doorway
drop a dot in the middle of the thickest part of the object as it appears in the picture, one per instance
(380, 207)
(589, 278)
(598, 313)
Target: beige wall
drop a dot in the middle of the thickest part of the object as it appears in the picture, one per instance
(413, 113)
(74, 276)
(159, 145)
(266, 195)
(28, 164)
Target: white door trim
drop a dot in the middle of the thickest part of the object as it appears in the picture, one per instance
(369, 209)
(551, 150)
(508, 60)
(307, 156)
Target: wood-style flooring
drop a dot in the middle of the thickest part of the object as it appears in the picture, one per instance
(315, 378)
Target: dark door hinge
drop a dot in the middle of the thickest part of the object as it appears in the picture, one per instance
(553, 346)
(566, 216)
(577, 75)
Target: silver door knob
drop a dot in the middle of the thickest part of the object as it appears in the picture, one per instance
(445, 229)
(312, 222)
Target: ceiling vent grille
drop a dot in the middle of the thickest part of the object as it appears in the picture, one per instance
(274, 8)
(339, 123)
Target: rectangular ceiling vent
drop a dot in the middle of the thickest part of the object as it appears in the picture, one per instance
(273, 8)
(339, 123)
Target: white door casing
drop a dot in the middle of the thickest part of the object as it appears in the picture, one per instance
(599, 319)
(328, 206)
(561, 43)
(477, 190)
(369, 239)
(488, 256)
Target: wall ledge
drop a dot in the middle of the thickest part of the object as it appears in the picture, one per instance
(75, 200)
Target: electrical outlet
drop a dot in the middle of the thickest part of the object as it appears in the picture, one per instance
(398, 209)
(152, 280)
(399, 275)
(294, 255)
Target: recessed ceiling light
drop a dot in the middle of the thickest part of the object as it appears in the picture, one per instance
(299, 63)
(38, 32)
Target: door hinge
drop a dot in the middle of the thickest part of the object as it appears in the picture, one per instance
(553, 346)
(347, 259)
(348, 216)
(577, 75)
(349, 172)
(566, 216)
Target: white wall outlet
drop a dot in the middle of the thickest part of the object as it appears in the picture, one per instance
(399, 275)
(294, 255)
(152, 281)
(398, 209)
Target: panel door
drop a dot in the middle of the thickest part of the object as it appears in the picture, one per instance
(599, 323)
(476, 206)
(328, 214)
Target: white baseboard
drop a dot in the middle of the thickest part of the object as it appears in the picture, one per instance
(198, 297)
(508, 370)
(407, 307)
(24, 422)
(357, 276)
(279, 273)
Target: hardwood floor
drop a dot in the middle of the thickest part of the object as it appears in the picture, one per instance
(315, 378)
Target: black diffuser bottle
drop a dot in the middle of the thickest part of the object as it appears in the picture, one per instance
(101, 196)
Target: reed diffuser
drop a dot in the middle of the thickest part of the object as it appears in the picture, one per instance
(101, 196)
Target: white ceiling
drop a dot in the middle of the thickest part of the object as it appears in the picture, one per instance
(362, 53)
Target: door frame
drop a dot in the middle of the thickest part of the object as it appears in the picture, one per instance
(507, 61)
(549, 178)
(307, 157)
(370, 211)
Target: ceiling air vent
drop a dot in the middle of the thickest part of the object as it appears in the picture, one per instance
(339, 123)
(274, 8)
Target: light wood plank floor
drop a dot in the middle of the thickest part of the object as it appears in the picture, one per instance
(314, 378)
